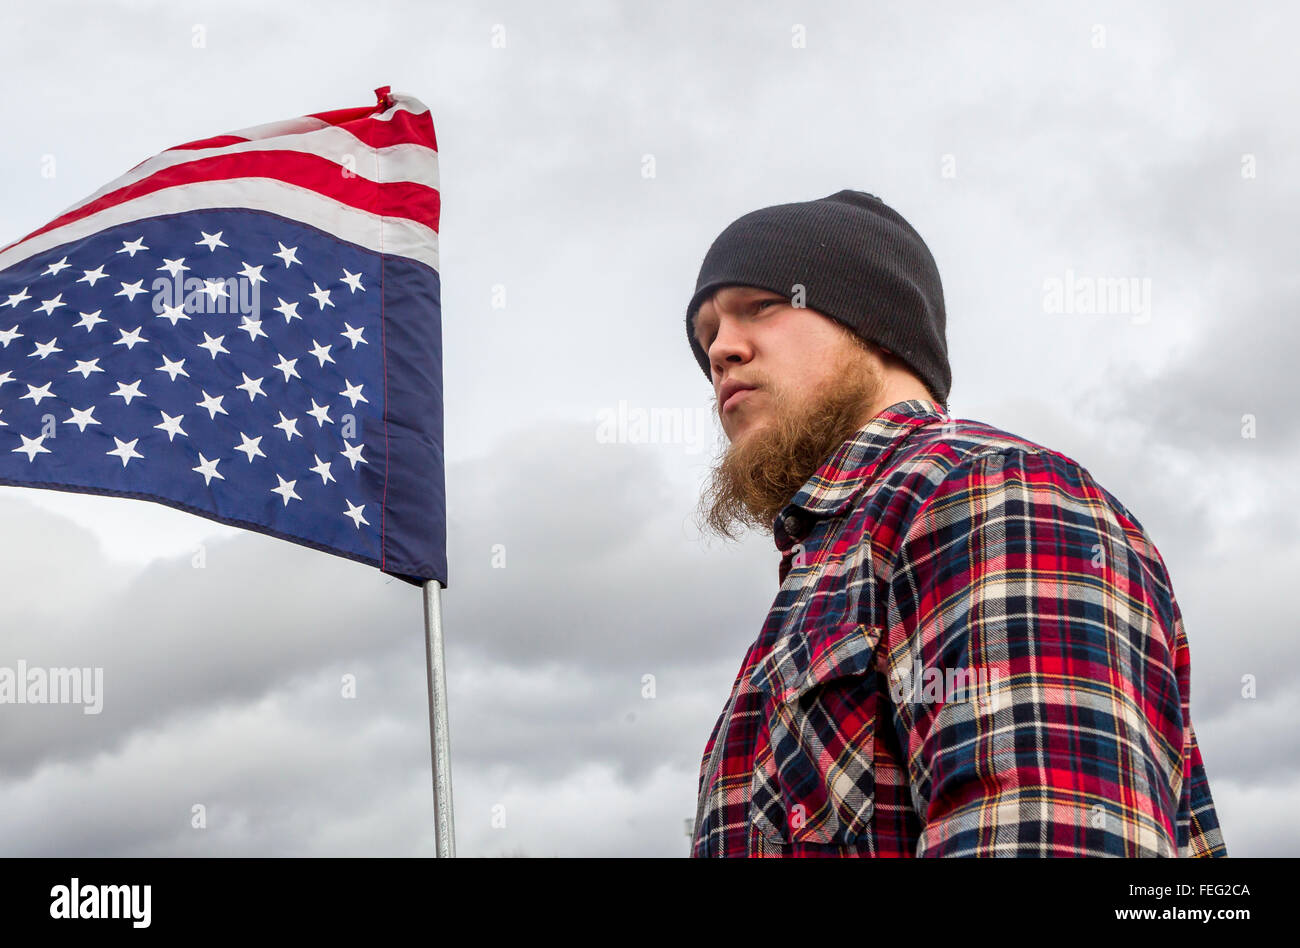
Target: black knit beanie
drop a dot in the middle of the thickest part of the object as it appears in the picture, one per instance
(858, 261)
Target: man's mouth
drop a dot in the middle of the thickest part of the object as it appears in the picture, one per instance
(730, 389)
(735, 398)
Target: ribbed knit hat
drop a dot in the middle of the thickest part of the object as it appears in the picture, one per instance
(858, 261)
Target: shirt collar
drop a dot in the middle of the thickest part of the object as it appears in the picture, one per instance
(834, 485)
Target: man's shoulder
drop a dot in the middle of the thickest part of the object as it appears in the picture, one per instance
(955, 449)
(953, 457)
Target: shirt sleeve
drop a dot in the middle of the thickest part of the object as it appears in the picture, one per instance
(1040, 702)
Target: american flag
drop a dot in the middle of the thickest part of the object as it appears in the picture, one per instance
(246, 327)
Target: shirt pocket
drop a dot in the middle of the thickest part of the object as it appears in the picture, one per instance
(813, 782)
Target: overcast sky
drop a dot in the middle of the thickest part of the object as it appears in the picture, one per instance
(588, 158)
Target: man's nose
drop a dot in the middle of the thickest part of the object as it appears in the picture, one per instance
(728, 346)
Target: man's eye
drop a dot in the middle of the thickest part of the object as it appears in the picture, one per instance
(757, 305)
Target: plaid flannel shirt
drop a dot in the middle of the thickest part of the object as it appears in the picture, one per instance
(975, 651)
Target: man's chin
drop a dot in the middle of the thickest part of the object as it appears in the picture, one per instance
(742, 428)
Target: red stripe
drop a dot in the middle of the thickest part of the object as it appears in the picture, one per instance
(403, 128)
(340, 116)
(393, 199)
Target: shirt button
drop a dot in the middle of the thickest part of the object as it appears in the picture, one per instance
(793, 526)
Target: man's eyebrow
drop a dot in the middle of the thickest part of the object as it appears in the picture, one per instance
(750, 295)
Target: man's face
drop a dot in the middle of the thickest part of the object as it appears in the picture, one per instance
(815, 386)
(757, 338)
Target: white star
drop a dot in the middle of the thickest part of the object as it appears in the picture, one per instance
(54, 268)
(82, 417)
(125, 450)
(211, 241)
(132, 246)
(321, 413)
(285, 490)
(174, 313)
(253, 327)
(289, 426)
(252, 273)
(287, 254)
(93, 276)
(85, 368)
(353, 454)
(173, 368)
(212, 404)
(128, 392)
(288, 310)
(287, 367)
(208, 469)
(172, 426)
(174, 267)
(45, 348)
(36, 394)
(130, 339)
(9, 335)
(213, 345)
(131, 290)
(215, 288)
(353, 393)
(250, 447)
(322, 297)
(31, 447)
(323, 469)
(50, 305)
(18, 297)
(6, 377)
(353, 335)
(3, 424)
(356, 515)
(253, 387)
(321, 352)
(89, 320)
(353, 280)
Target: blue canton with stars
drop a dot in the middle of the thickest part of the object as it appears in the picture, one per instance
(226, 362)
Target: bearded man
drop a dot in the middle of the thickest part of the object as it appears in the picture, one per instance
(975, 649)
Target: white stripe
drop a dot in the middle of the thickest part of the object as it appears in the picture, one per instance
(409, 162)
(398, 236)
(406, 162)
(307, 123)
(293, 126)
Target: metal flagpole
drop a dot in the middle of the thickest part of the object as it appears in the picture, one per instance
(445, 831)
